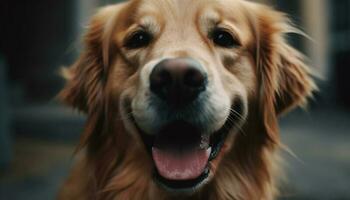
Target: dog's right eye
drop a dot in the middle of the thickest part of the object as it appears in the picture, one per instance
(138, 39)
(224, 38)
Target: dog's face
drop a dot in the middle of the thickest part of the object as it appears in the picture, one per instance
(190, 88)
(183, 75)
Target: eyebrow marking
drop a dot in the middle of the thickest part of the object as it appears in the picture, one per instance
(210, 18)
(149, 23)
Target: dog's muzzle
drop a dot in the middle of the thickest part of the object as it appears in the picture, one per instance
(182, 141)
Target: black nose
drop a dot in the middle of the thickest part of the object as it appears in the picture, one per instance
(178, 81)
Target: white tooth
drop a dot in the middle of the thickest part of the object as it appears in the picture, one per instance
(204, 145)
(205, 137)
(204, 142)
(208, 151)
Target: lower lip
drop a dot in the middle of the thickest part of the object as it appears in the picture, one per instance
(184, 186)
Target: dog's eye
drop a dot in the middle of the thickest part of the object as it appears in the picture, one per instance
(138, 39)
(224, 39)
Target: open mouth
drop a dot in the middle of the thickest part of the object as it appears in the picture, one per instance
(182, 154)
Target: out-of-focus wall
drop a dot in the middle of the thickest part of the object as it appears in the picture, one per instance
(314, 14)
(5, 140)
(316, 24)
(36, 40)
(86, 9)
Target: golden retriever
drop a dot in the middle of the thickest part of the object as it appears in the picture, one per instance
(182, 99)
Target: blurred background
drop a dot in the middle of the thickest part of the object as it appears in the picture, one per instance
(37, 134)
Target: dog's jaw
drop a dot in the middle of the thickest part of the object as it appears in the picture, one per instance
(216, 148)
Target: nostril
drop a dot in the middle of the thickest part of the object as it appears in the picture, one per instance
(160, 79)
(194, 78)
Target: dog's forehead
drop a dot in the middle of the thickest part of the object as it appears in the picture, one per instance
(189, 10)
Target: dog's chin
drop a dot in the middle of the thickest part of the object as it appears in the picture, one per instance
(182, 155)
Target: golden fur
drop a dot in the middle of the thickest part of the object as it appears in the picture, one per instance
(266, 70)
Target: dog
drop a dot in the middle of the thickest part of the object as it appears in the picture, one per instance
(182, 99)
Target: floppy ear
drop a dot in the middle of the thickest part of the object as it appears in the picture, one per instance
(295, 84)
(285, 80)
(87, 76)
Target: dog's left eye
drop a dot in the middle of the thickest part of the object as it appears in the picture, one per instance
(223, 38)
(138, 39)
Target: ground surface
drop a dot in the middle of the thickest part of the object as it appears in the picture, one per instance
(321, 141)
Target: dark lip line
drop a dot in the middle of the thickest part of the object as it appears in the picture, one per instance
(184, 184)
(217, 139)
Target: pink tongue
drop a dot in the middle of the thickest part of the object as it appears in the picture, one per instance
(180, 166)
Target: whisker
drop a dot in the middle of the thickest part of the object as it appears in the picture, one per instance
(236, 126)
(240, 118)
(236, 113)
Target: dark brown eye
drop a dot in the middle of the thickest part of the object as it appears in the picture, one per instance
(224, 39)
(138, 39)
